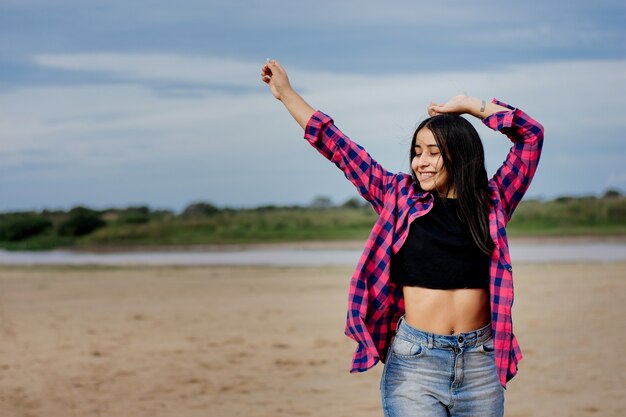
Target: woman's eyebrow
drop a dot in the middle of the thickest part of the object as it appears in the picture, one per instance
(429, 146)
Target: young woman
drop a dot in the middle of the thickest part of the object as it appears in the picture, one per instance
(431, 296)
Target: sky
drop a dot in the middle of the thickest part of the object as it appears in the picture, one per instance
(117, 103)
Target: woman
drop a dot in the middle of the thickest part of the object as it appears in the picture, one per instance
(431, 296)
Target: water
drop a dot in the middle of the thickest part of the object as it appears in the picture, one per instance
(605, 252)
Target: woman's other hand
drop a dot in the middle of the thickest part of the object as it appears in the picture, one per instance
(275, 76)
(456, 105)
(465, 104)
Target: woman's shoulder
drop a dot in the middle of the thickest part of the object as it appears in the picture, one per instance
(403, 185)
(402, 181)
(403, 177)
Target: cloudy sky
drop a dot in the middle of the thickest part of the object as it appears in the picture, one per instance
(117, 103)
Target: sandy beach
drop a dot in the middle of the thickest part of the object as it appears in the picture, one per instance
(268, 341)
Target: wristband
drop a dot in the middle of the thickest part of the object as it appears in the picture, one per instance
(482, 107)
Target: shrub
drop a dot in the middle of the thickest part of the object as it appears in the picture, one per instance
(612, 193)
(18, 227)
(134, 215)
(321, 202)
(354, 202)
(200, 209)
(82, 221)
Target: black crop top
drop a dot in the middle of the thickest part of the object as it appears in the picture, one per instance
(439, 252)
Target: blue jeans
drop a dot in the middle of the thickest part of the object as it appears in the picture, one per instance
(428, 374)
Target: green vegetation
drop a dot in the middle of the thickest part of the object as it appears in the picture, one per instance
(204, 223)
(570, 216)
(15, 227)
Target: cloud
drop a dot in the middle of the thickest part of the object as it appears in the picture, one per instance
(572, 84)
(617, 180)
(232, 146)
(148, 67)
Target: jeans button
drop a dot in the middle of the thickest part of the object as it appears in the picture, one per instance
(460, 339)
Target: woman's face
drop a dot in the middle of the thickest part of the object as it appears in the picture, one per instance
(428, 164)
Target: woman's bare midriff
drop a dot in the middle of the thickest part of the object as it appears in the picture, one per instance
(447, 311)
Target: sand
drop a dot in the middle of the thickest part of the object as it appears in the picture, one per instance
(247, 341)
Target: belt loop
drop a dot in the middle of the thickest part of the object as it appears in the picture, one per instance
(430, 341)
(398, 324)
(484, 335)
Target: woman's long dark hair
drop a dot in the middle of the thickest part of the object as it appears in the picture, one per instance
(464, 160)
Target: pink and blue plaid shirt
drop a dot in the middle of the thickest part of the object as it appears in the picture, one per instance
(375, 303)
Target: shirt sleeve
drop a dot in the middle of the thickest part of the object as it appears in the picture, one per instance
(358, 166)
(514, 176)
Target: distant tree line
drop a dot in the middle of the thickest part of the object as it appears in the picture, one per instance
(79, 221)
(203, 221)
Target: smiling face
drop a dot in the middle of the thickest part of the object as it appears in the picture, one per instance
(427, 164)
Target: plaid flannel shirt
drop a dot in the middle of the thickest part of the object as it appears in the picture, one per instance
(375, 303)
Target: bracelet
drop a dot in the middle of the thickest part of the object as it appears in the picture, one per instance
(482, 107)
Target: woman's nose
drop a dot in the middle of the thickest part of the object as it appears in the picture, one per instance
(420, 161)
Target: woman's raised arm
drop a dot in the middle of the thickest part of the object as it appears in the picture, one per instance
(513, 177)
(465, 104)
(358, 166)
(275, 76)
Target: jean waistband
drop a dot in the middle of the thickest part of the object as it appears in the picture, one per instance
(473, 338)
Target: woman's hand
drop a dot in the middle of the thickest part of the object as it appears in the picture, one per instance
(456, 105)
(275, 76)
(465, 104)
